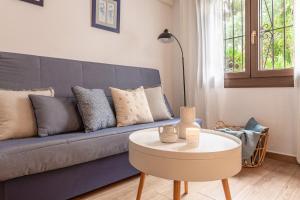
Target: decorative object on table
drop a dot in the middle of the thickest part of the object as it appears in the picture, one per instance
(254, 137)
(168, 134)
(187, 120)
(36, 2)
(106, 15)
(167, 37)
(192, 136)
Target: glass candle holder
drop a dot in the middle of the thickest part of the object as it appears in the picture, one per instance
(192, 136)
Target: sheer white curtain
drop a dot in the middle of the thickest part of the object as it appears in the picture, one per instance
(201, 33)
(207, 80)
(297, 72)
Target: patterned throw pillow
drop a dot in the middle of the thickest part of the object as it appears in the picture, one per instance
(94, 109)
(131, 106)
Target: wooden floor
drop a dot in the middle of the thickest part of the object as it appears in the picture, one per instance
(274, 181)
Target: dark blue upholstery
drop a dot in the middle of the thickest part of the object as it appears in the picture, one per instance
(2, 190)
(22, 157)
(19, 71)
(69, 182)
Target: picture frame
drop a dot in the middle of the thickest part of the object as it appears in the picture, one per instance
(36, 2)
(106, 15)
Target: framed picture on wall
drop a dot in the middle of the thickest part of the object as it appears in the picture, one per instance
(106, 15)
(36, 2)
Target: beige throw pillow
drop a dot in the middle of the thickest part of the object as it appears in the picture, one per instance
(157, 104)
(131, 106)
(17, 118)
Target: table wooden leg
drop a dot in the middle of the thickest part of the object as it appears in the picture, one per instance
(176, 192)
(186, 187)
(226, 189)
(141, 185)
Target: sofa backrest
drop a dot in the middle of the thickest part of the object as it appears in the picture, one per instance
(19, 71)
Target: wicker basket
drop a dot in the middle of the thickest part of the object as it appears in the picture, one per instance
(259, 154)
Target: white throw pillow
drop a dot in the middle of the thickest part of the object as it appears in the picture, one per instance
(17, 118)
(131, 106)
(157, 104)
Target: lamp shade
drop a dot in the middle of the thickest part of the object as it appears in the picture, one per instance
(166, 37)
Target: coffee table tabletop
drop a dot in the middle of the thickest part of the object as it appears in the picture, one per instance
(217, 157)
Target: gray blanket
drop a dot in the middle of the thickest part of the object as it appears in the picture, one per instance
(249, 140)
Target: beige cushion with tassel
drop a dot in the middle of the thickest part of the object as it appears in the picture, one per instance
(17, 118)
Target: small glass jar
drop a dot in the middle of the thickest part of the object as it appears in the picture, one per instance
(192, 136)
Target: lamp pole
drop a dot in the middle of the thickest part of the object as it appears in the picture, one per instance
(167, 37)
(183, 69)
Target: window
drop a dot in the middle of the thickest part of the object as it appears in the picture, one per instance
(259, 43)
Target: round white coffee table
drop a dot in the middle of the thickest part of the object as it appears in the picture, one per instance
(217, 157)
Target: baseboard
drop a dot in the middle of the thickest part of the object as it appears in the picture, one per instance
(282, 157)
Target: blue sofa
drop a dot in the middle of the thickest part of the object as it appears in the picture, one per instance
(67, 165)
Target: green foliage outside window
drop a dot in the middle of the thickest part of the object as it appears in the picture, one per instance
(276, 34)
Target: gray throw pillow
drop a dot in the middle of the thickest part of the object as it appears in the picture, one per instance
(157, 104)
(55, 115)
(94, 108)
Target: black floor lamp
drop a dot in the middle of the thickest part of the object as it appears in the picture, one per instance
(167, 37)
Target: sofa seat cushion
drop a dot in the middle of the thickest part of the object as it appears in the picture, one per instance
(20, 157)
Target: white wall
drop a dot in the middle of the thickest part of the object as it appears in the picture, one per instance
(273, 107)
(62, 29)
